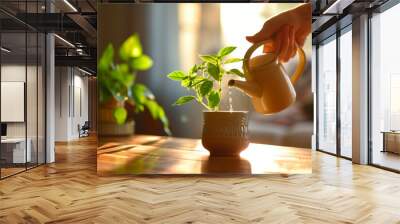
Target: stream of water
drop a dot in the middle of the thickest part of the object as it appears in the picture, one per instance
(230, 99)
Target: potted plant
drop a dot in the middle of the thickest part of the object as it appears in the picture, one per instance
(224, 132)
(120, 95)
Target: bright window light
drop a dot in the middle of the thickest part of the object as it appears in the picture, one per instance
(5, 50)
(84, 71)
(64, 40)
(70, 6)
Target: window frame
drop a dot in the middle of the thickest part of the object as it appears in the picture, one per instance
(380, 9)
(333, 37)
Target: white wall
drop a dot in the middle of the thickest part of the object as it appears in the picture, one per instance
(61, 105)
(80, 100)
(71, 94)
(16, 73)
(13, 73)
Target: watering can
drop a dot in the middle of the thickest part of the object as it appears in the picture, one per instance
(267, 83)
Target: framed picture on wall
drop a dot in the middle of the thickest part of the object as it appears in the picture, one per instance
(12, 101)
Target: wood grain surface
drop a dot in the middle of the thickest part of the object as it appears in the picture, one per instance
(143, 154)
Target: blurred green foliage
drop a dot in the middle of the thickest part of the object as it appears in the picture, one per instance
(118, 81)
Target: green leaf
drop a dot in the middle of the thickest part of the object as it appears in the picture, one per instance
(153, 107)
(120, 114)
(213, 70)
(233, 60)
(130, 48)
(225, 51)
(124, 68)
(209, 58)
(184, 99)
(187, 82)
(121, 76)
(213, 99)
(139, 93)
(139, 108)
(236, 72)
(164, 121)
(177, 75)
(157, 112)
(194, 69)
(197, 81)
(128, 80)
(106, 59)
(142, 63)
(206, 87)
(191, 81)
(202, 66)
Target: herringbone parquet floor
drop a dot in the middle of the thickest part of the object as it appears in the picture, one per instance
(69, 191)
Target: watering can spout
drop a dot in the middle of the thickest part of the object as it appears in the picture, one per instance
(250, 88)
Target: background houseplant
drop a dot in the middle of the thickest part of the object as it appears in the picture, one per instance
(120, 95)
(224, 132)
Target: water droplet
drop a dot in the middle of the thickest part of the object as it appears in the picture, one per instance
(230, 99)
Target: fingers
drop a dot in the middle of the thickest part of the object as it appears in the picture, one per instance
(278, 42)
(273, 45)
(294, 52)
(284, 43)
(297, 17)
(291, 45)
(301, 38)
(269, 47)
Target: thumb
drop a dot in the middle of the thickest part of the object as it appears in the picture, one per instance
(269, 29)
(250, 39)
(258, 37)
(300, 40)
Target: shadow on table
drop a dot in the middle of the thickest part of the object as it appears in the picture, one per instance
(225, 165)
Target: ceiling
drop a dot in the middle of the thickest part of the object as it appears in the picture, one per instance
(74, 22)
(332, 15)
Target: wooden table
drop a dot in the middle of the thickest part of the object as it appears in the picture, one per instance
(14, 151)
(391, 141)
(167, 155)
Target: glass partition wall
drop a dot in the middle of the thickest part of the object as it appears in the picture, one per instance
(22, 94)
(334, 94)
(346, 75)
(327, 95)
(385, 89)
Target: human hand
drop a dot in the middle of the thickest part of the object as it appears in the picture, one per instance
(285, 31)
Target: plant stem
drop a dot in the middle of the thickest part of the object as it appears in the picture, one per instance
(219, 92)
(202, 103)
(221, 70)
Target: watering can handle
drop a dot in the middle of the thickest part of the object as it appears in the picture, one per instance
(297, 73)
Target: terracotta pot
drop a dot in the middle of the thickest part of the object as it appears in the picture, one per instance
(107, 125)
(225, 133)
